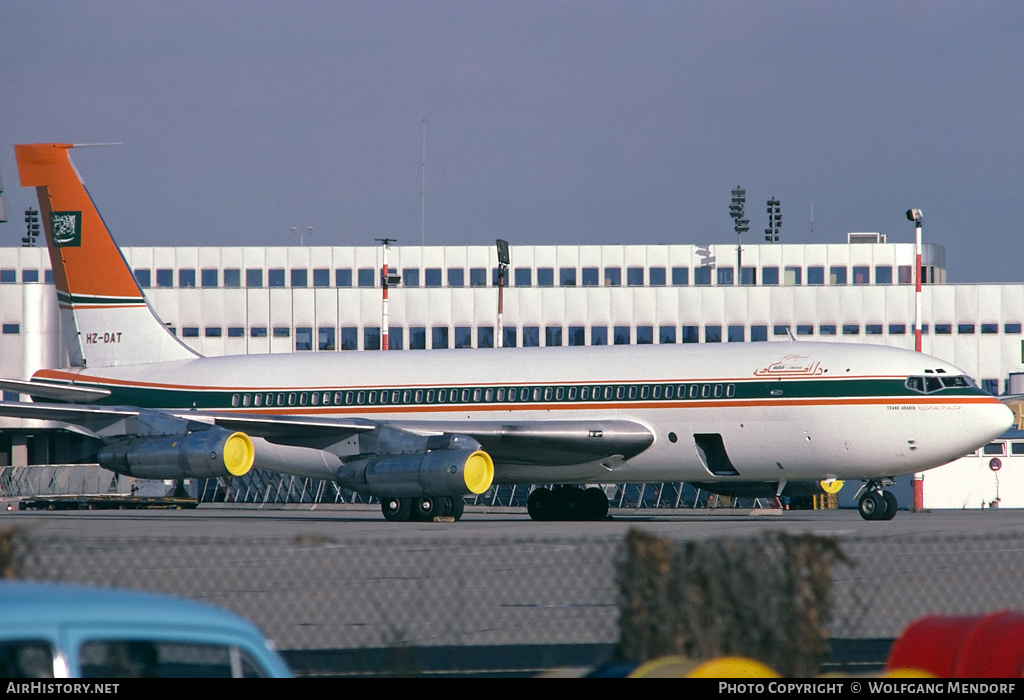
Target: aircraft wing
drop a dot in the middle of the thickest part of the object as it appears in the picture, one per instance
(523, 443)
(60, 392)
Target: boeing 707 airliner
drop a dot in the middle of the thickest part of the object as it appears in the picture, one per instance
(420, 430)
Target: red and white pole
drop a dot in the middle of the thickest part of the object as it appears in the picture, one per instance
(917, 291)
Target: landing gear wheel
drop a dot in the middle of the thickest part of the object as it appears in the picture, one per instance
(426, 508)
(891, 506)
(454, 506)
(396, 509)
(596, 503)
(540, 505)
(872, 506)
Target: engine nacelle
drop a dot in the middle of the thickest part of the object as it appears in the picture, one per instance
(434, 473)
(204, 453)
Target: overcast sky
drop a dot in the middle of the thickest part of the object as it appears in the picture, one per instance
(546, 122)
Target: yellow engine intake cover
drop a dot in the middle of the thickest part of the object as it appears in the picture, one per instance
(479, 472)
(239, 454)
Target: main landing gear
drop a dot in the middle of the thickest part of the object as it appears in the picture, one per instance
(875, 503)
(424, 509)
(567, 503)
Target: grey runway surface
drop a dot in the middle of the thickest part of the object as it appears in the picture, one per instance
(342, 577)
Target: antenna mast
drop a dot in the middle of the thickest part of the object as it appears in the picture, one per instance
(423, 188)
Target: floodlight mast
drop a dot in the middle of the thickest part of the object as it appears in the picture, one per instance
(915, 216)
(503, 262)
(740, 225)
(385, 281)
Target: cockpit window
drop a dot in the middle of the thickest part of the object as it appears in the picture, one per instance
(929, 384)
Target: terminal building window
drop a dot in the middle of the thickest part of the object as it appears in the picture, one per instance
(456, 277)
(300, 277)
(613, 277)
(599, 335)
(827, 329)
(725, 276)
(164, 278)
(187, 278)
(769, 276)
(758, 334)
(396, 338)
(531, 336)
(477, 277)
(236, 332)
(508, 337)
(11, 328)
(702, 276)
(737, 334)
(343, 277)
(325, 338)
(804, 329)
(10, 276)
(253, 277)
(321, 277)
(208, 277)
(275, 277)
(212, 332)
(232, 277)
(989, 328)
(873, 329)
(634, 276)
(897, 329)
(190, 332)
(432, 277)
(815, 275)
(943, 328)
(904, 272)
(781, 330)
(439, 337)
(29, 276)
(1014, 328)
(621, 335)
(485, 336)
(965, 328)
(861, 274)
(545, 277)
(282, 332)
(553, 336)
(365, 277)
(991, 386)
(349, 338)
(680, 276)
(567, 277)
(644, 335)
(712, 334)
(691, 334)
(883, 274)
(590, 276)
(851, 329)
(371, 338)
(666, 334)
(657, 277)
(303, 338)
(748, 276)
(523, 276)
(793, 275)
(417, 338)
(577, 335)
(411, 277)
(837, 275)
(258, 332)
(463, 337)
(143, 278)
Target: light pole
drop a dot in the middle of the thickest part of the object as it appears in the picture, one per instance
(503, 263)
(386, 281)
(771, 234)
(915, 216)
(740, 225)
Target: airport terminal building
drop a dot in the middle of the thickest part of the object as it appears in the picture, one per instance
(236, 300)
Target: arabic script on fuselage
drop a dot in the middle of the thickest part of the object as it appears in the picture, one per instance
(792, 366)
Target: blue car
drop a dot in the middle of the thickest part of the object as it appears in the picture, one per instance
(62, 631)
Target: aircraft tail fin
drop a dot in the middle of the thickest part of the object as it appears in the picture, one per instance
(105, 318)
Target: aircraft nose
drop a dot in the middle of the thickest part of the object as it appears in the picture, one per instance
(995, 420)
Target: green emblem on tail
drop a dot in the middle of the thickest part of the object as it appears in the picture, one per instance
(67, 228)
